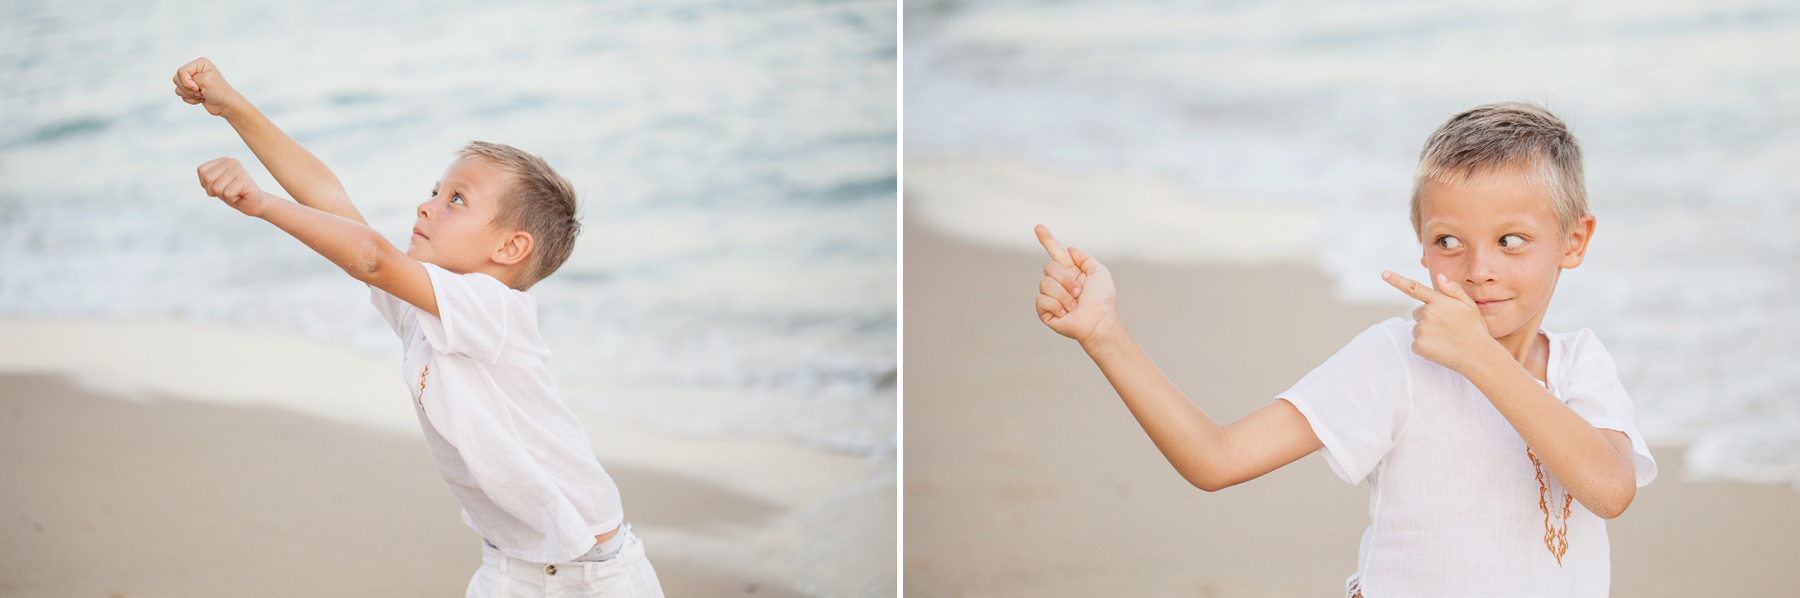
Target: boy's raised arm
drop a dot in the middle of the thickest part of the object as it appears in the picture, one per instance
(363, 253)
(299, 172)
(1076, 299)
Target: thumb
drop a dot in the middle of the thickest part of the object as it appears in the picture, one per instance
(1452, 290)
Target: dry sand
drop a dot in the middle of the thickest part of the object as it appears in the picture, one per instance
(104, 497)
(177, 459)
(1025, 475)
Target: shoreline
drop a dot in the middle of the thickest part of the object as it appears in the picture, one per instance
(147, 361)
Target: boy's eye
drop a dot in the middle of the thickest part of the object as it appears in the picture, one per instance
(1511, 241)
(456, 198)
(1449, 242)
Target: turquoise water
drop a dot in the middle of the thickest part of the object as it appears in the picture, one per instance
(736, 160)
(1689, 113)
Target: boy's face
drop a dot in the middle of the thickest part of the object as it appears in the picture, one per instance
(1497, 235)
(452, 228)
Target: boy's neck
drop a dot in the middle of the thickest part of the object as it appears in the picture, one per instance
(1528, 347)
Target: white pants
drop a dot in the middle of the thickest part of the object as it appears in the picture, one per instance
(627, 574)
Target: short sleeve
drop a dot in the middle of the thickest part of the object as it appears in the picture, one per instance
(472, 314)
(400, 315)
(1591, 388)
(1357, 401)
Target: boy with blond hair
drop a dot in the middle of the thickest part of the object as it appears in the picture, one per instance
(499, 221)
(1494, 450)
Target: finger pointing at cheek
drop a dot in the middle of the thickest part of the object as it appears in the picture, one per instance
(1411, 287)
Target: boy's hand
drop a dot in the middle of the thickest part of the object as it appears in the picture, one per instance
(226, 179)
(1449, 329)
(1076, 295)
(200, 82)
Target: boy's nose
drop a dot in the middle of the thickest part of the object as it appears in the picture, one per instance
(1480, 268)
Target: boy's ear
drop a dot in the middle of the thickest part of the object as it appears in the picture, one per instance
(1576, 243)
(514, 249)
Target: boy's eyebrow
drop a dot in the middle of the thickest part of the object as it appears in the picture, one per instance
(461, 189)
(1514, 222)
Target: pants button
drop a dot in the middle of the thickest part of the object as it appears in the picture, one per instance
(550, 569)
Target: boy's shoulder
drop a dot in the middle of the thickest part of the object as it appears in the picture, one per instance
(485, 286)
(481, 317)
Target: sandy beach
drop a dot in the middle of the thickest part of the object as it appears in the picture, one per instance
(114, 487)
(1025, 475)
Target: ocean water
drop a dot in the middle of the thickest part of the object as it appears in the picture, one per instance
(1689, 113)
(736, 160)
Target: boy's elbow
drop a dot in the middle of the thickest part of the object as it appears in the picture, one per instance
(366, 262)
(1209, 486)
(1611, 512)
(1616, 504)
(1623, 503)
(1208, 480)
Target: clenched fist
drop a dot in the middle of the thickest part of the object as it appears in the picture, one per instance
(199, 82)
(226, 179)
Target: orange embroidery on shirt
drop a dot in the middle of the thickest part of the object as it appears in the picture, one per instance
(422, 374)
(1556, 537)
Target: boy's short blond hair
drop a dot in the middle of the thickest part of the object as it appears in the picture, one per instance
(1487, 138)
(537, 201)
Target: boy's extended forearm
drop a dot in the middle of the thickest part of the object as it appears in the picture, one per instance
(301, 173)
(353, 246)
(1187, 437)
(1589, 465)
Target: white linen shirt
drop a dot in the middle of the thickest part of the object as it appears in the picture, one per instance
(512, 452)
(1457, 506)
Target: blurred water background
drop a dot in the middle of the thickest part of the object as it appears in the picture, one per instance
(735, 277)
(1689, 113)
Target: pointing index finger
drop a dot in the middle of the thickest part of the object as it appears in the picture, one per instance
(1056, 250)
(1411, 287)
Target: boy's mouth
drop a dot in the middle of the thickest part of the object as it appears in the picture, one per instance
(418, 234)
(1486, 305)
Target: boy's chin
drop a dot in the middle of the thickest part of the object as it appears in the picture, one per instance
(1501, 329)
